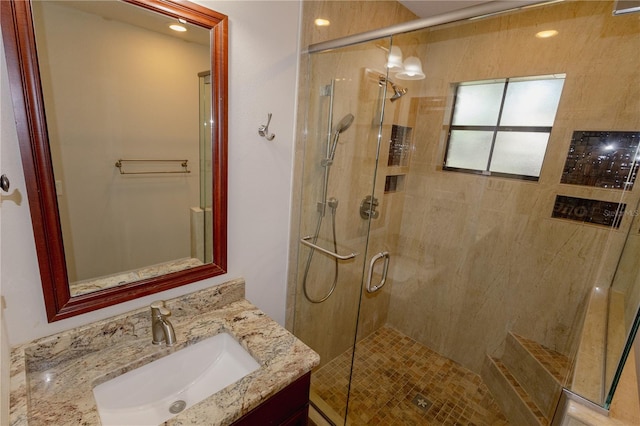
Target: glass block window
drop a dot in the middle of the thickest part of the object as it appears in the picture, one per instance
(502, 127)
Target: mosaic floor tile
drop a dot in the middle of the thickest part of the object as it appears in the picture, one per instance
(391, 372)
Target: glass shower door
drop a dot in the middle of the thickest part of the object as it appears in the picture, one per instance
(343, 119)
(491, 267)
(465, 271)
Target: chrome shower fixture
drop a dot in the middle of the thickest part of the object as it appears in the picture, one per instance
(332, 203)
(342, 125)
(398, 91)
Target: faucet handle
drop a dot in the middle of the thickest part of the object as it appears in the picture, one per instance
(159, 310)
(157, 304)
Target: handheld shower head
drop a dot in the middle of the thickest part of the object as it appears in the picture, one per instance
(342, 125)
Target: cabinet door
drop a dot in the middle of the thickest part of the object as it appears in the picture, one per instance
(287, 407)
(300, 418)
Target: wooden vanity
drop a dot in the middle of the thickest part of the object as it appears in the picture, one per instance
(289, 407)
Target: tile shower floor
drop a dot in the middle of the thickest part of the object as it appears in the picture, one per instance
(398, 381)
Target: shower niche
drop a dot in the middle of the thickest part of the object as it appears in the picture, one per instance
(399, 156)
(393, 183)
(399, 146)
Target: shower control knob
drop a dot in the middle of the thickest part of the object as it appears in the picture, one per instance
(368, 208)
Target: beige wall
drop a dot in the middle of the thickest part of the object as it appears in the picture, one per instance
(627, 278)
(135, 97)
(496, 260)
(474, 257)
(349, 17)
(624, 299)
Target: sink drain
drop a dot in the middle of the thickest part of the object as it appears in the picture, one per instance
(177, 407)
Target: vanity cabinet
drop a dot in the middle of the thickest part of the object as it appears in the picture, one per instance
(289, 407)
(277, 393)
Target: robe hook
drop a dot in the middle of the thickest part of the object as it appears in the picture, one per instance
(264, 129)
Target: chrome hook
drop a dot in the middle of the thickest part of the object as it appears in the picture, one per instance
(264, 129)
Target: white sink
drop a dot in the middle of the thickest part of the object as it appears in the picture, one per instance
(155, 392)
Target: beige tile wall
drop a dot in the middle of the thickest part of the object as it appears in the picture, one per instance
(349, 17)
(627, 279)
(472, 257)
(488, 257)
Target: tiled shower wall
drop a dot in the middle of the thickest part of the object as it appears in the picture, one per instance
(487, 255)
(472, 256)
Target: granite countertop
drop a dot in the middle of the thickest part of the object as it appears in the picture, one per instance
(52, 378)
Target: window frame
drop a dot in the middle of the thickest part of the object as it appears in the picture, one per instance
(495, 129)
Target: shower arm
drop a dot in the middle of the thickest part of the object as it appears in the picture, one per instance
(398, 91)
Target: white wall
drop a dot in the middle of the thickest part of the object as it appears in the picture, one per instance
(263, 45)
(4, 341)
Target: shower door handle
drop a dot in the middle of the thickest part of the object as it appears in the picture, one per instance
(385, 269)
(306, 242)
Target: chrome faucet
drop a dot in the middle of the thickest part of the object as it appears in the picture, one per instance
(161, 328)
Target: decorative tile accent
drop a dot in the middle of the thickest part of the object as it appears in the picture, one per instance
(604, 159)
(591, 211)
(400, 145)
(391, 371)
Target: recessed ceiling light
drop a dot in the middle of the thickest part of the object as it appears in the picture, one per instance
(547, 33)
(321, 22)
(177, 27)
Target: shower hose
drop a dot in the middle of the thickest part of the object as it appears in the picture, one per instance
(333, 205)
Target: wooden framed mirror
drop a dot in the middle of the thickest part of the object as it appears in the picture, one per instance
(50, 189)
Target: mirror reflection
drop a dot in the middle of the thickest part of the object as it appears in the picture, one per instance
(128, 110)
